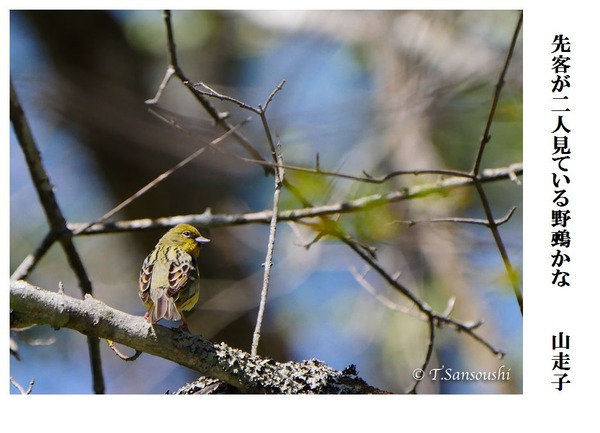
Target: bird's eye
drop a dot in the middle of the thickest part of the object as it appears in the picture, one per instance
(187, 234)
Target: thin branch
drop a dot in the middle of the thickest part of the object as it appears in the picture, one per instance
(208, 219)
(22, 390)
(428, 354)
(167, 120)
(156, 181)
(173, 68)
(474, 221)
(29, 263)
(248, 374)
(421, 305)
(218, 117)
(382, 299)
(271, 96)
(269, 258)
(56, 220)
(214, 94)
(277, 156)
(366, 178)
(512, 275)
(120, 354)
(279, 179)
(171, 42)
(163, 85)
(486, 133)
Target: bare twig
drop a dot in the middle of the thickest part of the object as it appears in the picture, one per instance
(279, 180)
(156, 181)
(56, 220)
(384, 300)
(429, 353)
(120, 354)
(208, 219)
(277, 88)
(421, 305)
(486, 133)
(512, 275)
(212, 93)
(279, 175)
(163, 85)
(219, 118)
(20, 388)
(366, 178)
(474, 221)
(29, 263)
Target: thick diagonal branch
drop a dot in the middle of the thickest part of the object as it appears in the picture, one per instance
(248, 374)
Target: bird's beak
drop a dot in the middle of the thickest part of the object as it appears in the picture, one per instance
(201, 239)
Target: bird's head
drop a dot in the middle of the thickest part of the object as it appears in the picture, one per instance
(186, 237)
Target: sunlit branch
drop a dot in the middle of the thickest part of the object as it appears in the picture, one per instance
(279, 177)
(22, 390)
(248, 374)
(210, 220)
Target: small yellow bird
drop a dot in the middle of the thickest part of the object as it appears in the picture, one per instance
(169, 275)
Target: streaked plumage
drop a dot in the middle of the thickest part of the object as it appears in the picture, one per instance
(169, 275)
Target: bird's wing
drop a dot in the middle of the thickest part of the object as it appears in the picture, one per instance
(182, 272)
(145, 279)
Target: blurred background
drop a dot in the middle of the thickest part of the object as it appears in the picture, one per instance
(372, 91)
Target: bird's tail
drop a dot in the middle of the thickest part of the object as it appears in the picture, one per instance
(164, 307)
